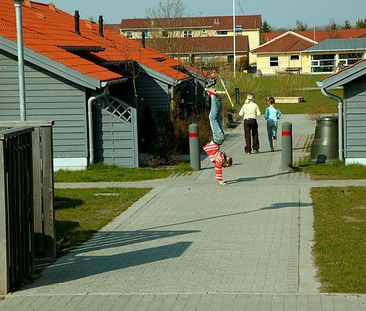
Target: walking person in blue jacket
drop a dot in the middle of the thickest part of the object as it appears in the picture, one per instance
(272, 114)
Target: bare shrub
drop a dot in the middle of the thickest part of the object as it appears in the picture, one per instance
(316, 113)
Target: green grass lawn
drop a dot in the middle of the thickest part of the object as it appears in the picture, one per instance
(82, 212)
(105, 173)
(283, 85)
(331, 170)
(340, 243)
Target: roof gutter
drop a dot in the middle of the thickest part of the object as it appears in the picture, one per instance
(340, 118)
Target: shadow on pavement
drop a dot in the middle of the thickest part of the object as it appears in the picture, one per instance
(272, 206)
(242, 179)
(100, 255)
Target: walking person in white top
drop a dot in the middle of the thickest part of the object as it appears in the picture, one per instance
(250, 111)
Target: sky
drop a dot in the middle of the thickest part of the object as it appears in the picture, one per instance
(278, 13)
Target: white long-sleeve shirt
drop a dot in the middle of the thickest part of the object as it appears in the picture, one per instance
(250, 111)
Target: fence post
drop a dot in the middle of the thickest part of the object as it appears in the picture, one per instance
(194, 147)
(286, 145)
(237, 96)
(4, 272)
(48, 192)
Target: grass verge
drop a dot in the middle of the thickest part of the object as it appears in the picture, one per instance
(105, 173)
(284, 85)
(331, 170)
(82, 212)
(340, 244)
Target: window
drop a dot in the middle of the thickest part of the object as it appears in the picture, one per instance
(221, 32)
(294, 57)
(273, 61)
(164, 33)
(129, 34)
(146, 33)
(323, 63)
(187, 33)
(348, 59)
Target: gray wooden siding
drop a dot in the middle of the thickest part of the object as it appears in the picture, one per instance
(48, 97)
(355, 119)
(155, 94)
(114, 141)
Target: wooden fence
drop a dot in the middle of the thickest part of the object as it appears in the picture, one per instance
(26, 199)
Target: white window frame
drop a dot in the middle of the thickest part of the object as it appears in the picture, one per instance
(273, 60)
(350, 60)
(297, 57)
(320, 63)
(187, 33)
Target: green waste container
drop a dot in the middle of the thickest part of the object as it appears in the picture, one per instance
(325, 144)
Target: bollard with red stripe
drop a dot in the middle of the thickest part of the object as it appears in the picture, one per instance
(194, 147)
(286, 145)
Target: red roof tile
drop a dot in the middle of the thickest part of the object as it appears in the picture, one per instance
(287, 42)
(321, 35)
(214, 22)
(46, 29)
(200, 44)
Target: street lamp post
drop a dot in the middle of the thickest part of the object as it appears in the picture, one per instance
(18, 15)
(234, 37)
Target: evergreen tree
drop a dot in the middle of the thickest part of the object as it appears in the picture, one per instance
(266, 27)
(346, 25)
(300, 26)
(361, 23)
(332, 25)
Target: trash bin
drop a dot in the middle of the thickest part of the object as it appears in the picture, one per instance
(325, 144)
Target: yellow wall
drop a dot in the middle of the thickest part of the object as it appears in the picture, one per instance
(263, 63)
(305, 62)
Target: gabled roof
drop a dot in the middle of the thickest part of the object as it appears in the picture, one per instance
(344, 76)
(200, 45)
(213, 22)
(320, 35)
(285, 43)
(46, 30)
(358, 44)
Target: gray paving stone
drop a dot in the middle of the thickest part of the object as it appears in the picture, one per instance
(190, 244)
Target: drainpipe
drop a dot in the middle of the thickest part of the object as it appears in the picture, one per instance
(21, 76)
(90, 123)
(340, 121)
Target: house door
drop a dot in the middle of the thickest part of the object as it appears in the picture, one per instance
(115, 132)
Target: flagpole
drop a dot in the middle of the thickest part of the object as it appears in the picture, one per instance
(234, 41)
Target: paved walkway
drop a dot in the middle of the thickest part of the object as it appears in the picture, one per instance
(191, 244)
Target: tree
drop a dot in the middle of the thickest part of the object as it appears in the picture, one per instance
(167, 9)
(332, 25)
(361, 23)
(266, 27)
(300, 26)
(346, 25)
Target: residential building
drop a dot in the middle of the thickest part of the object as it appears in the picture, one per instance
(331, 55)
(352, 109)
(282, 54)
(195, 27)
(93, 83)
(206, 51)
(286, 52)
